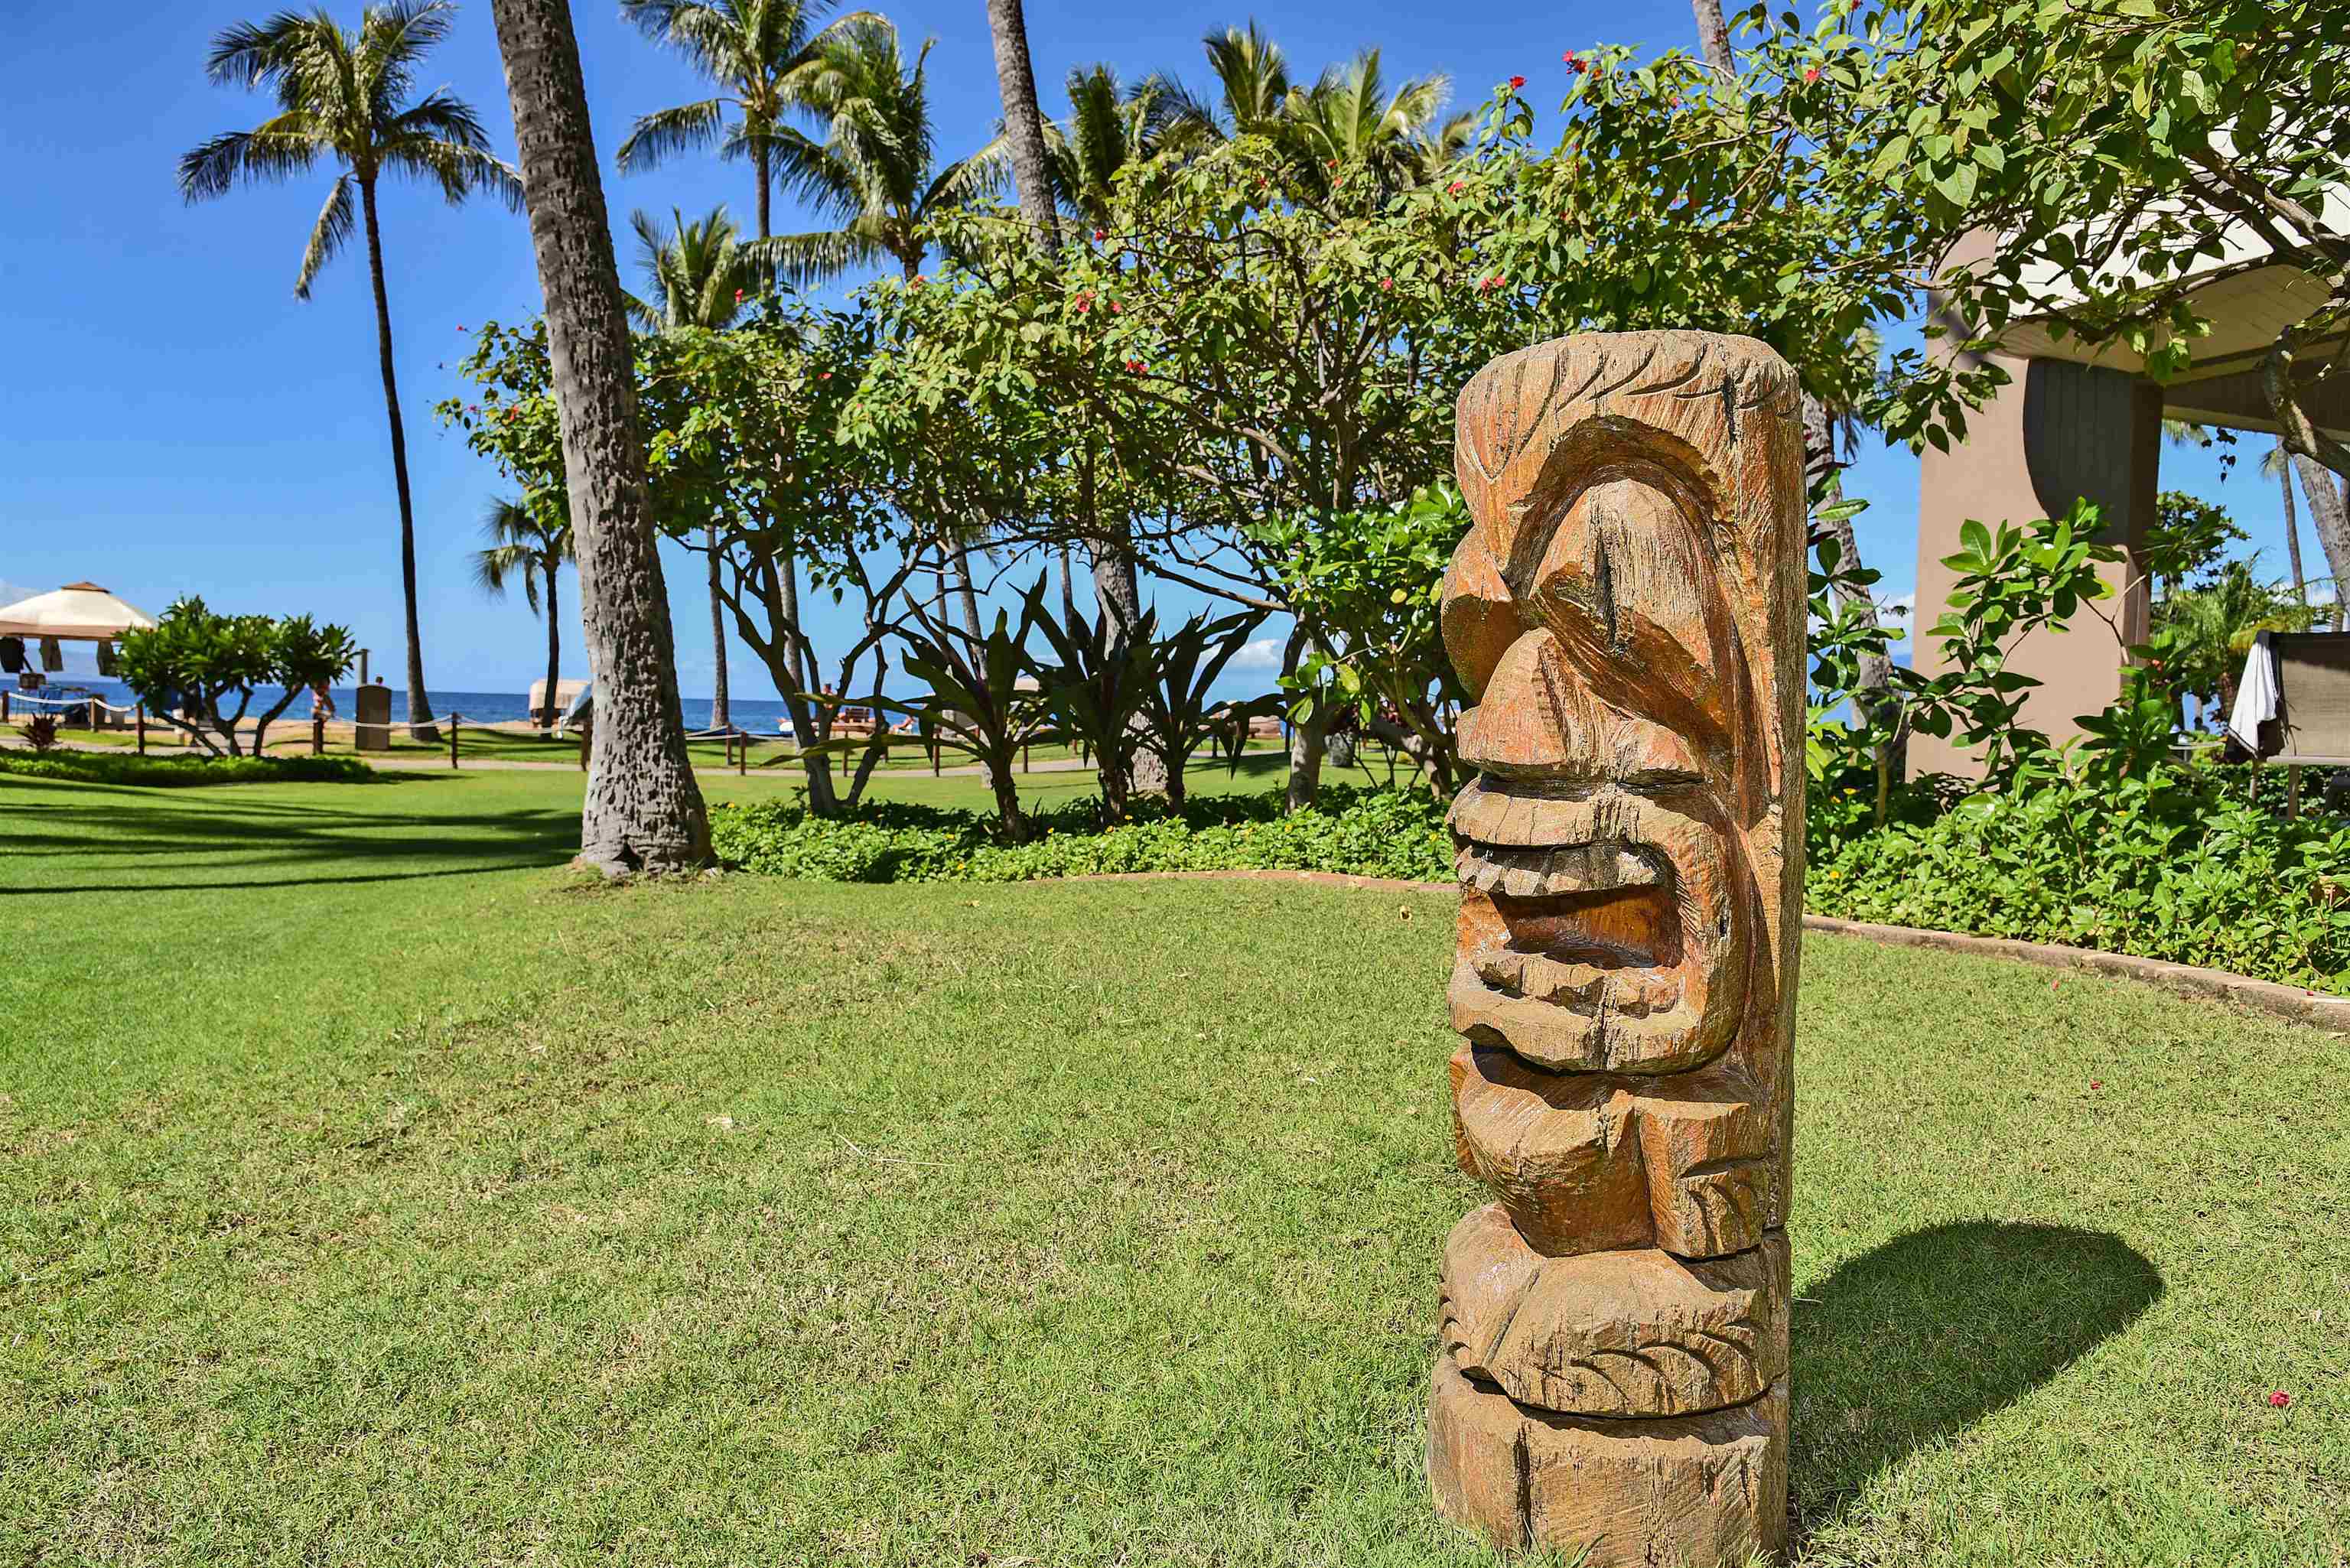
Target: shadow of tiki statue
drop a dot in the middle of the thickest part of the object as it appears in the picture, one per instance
(1628, 611)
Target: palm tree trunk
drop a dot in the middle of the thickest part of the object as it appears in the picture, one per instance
(1713, 36)
(420, 705)
(553, 645)
(643, 810)
(966, 600)
(2329, 519)
(765, 161)
(721, 716)
(2292, 531)
(1023, 121)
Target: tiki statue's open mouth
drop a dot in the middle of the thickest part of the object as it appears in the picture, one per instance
(1599, 929)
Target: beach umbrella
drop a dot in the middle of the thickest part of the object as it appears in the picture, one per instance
(80, 612)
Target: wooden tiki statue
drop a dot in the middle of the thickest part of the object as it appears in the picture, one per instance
(1628, 612)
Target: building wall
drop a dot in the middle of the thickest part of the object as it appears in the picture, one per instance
(2056, 431)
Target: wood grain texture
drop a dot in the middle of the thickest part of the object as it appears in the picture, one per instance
(1687, 1491)
(1627, 612)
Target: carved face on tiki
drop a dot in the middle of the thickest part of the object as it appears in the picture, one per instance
(1628, 611)
(1605, 612)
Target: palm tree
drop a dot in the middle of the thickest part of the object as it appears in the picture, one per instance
(346, 96)
(757, 52)
(1348, 119)
(1110, 127)
(1253, 85)
(695, 278)
(2278, 465)
(696, 274)
(523, 545)
(875, 171)
(643, 810)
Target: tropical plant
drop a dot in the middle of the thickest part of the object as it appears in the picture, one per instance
(758, 53)
(977, 703)
(2111, 152)
(40, 732)
(643, 810)
(1112, 126)
(1177, 714)
(697, 275)
(530, 547)
(1350, 125)
(347, 96)
(1252, 86)
(193, 661)
(875, 171)
(1366, 587)
(1095, 687)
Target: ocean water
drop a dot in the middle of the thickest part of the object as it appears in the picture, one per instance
(482, 707)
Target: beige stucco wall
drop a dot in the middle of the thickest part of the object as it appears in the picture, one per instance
(2051, 434)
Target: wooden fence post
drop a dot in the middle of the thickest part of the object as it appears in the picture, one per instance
(743, 757)
(452, 740)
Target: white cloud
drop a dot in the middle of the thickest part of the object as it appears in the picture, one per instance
(1897, 612)
(1259, 653)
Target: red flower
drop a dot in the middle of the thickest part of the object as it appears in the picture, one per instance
(461, 327)
(1516, 82)
(1455, 188)
(738, 296)
(824, 375)
(2280, 1399)
(472, 408)
(1812, 75)
(1114, 307)
(1490, 283)
(915, 282)
(1084, 303)
(2096, 1083)
(1099, 235)
(1387, 285)
(1135, 367)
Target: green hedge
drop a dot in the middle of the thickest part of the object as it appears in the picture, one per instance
(168, 772)
(1369, 833)
(2183, 867)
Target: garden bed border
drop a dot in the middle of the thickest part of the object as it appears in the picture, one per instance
(2331, 1013)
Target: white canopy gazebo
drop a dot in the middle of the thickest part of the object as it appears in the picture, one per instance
(79, 612)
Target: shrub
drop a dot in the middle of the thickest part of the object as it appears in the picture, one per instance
(2180, 865)
(1369, 833)
(166, 772)
(40, 732)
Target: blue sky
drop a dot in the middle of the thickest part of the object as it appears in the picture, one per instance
(178, 422)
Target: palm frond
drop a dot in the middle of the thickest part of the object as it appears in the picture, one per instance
(273, 151)
(667, 132)
(249, 53)
(329, 235)
(459, 171)
(803, 259)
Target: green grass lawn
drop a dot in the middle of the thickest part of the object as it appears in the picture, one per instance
(371, 1190)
